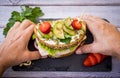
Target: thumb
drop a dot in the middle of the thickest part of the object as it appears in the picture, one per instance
(88, 48)
(33, 55)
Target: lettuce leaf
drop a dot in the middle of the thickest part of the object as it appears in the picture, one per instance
(49, 50)
(52, 51)
(66, 40)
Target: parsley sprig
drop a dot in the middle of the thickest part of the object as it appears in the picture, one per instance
(26, 13)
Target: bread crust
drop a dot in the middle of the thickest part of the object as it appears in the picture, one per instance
(68, 53)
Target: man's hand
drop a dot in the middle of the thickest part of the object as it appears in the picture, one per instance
(106, 37)
(13, 50)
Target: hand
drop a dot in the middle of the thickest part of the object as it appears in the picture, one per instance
(13, 50)
(106, 37)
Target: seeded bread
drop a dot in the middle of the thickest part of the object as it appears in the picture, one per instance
(65, 47)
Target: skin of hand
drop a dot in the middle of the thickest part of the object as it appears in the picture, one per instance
(13, 50)
(106, 37)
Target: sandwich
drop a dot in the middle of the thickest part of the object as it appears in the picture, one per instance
(59, 38)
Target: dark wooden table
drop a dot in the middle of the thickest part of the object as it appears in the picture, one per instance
(108, 9)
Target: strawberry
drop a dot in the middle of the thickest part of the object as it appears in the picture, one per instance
(93, 59)
(45, 27)
(76, 24)
(98, 57)
(87, 62)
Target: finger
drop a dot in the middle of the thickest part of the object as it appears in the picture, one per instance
(92, 24)
(24, 36)
(17, 24)
(27, 33)
(91, 17)
(12, 30)
(85, 49)
(33, 55)
(26, 23)
(86, 17)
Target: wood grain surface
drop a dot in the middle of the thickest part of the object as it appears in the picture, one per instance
(108, 9)
(60, 2)
(111, 13)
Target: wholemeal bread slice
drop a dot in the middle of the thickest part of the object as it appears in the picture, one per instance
(51, 47)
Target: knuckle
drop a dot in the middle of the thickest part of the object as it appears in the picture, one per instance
(27, 21)
(17, 22)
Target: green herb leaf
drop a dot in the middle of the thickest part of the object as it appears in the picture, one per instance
(67, 35)
(15, 16)
(26, 13)
(37, 12)
(67, 40)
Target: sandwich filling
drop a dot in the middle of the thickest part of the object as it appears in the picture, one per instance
(59, 36)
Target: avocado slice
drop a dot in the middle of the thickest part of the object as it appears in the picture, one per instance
(58, 30)
(49, 35)
(67, 23)
(69, 31)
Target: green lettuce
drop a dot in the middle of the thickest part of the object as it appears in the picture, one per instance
(52, 51)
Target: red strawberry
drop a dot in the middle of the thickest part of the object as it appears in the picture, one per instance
(76, 24)
(87, 62)
(93, 59)
(98, 57)
(45, 27)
